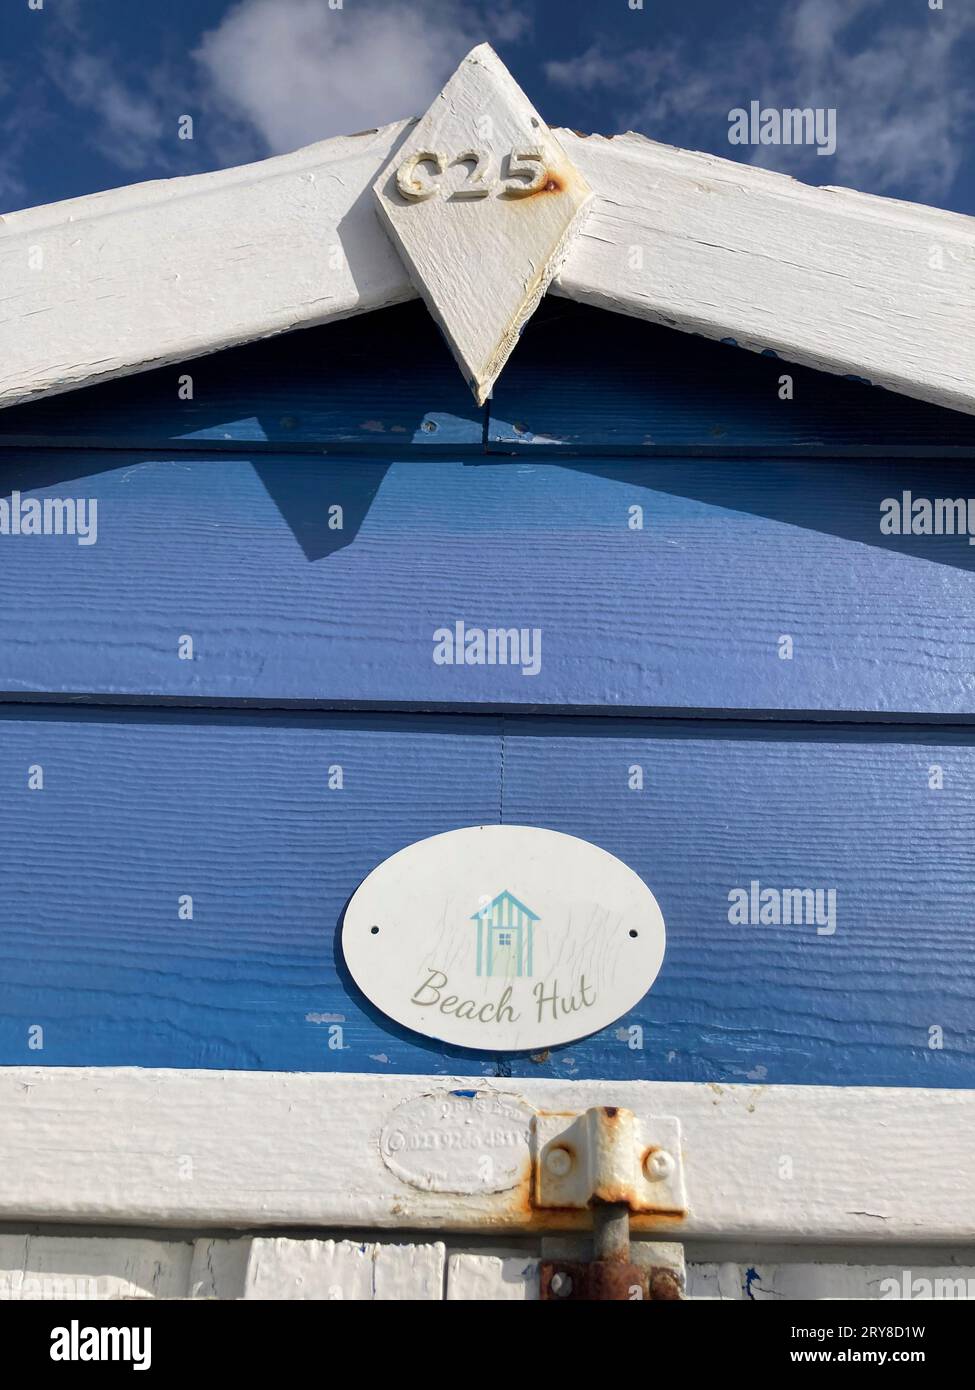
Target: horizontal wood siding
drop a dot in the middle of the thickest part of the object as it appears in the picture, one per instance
(138, 809)
(823, 672)
(687, 613)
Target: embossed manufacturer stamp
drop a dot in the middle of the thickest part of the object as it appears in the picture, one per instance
(459, 1142)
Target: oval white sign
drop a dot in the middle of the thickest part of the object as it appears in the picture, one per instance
(504, 938)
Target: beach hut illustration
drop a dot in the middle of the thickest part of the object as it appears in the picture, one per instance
(504, 936)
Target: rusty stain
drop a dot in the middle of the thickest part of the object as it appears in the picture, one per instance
(605, 1281)
(520, 1211)
(515, 1209)
(619, 1194)
(600, 1281)
(535, 1056)
(664, 1288)
(552, 183)
(611, 1111)
(519, 1208)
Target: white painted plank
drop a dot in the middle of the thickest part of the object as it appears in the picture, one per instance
(103, 286)
(280, 1268)
(804, 1163)
(777, 1282)
(82, 1267)
(492, 1278)
(827, 277)
(413, 1272)
(219, 1268)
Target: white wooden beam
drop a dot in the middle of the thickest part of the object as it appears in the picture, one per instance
(827, 277)
(185, 1148)
(156, 273)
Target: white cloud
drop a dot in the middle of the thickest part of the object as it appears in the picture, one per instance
(128, 125)
(298, 71)
(904, 104)
(13, 138)
(813, 28)
(128, 109)
(903, 98)
(271, 76)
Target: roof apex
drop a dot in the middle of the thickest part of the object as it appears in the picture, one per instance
(114, 283)
(481, 202)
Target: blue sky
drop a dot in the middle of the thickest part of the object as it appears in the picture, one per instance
(91, 91)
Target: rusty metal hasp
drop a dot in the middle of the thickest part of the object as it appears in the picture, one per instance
(608, 1154)
(611, 1161)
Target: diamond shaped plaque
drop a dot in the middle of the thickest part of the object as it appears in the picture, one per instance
(481, 202)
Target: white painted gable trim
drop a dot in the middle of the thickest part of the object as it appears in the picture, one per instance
(215, 1149)
(827, 277)
(157, 273)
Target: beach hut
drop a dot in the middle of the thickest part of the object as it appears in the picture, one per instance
(466, 473)
(504, 937)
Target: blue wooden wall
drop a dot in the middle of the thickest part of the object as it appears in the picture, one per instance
(664, 723)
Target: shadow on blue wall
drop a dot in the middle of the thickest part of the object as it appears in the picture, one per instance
(583, 384)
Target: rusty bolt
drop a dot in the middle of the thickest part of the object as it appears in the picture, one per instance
(658, 1165)
(561, 1285)
(664, 1286)
(558, 1161)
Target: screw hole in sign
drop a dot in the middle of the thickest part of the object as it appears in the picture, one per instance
(374, 931)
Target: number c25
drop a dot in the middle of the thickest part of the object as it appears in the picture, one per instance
(524, 173)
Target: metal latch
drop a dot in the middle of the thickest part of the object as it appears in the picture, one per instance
(614, 1163)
